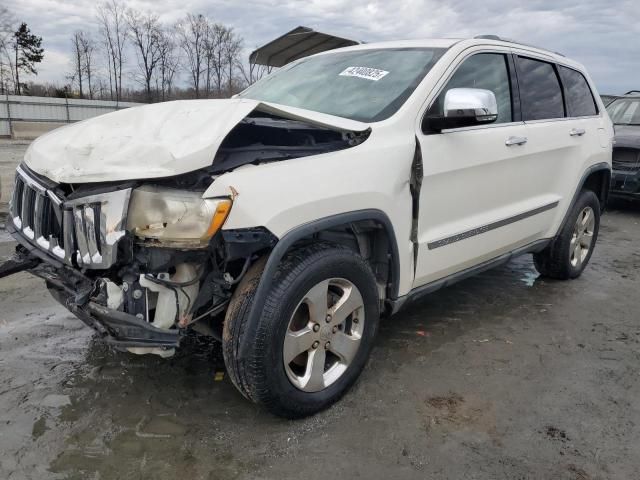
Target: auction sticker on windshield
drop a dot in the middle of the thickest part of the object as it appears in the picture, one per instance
(364, 72)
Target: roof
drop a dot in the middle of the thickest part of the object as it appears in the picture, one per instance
(462, 43)
(302, 41)
(299, 42)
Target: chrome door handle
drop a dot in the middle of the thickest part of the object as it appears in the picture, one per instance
(577, 132)
(515, 141)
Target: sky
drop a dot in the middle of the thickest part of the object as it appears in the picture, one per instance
(603, 35)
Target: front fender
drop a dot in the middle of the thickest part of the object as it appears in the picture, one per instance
(284, 195)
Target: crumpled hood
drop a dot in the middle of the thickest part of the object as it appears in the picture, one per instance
(153, 141)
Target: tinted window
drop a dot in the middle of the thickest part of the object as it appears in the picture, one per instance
(367, 85)
(487, 71)
(578, 94)
(540, 94)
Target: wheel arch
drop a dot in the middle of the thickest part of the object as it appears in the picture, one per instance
(598, 180)
(321, 228)
(595, 178)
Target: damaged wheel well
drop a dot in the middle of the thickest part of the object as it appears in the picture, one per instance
(368, 231)
(370, 240)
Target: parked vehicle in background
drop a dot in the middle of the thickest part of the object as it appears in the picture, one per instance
(625, 115)
(607, 99)
(287, 220)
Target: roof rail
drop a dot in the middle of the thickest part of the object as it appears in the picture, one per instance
(508, 40)
(632, 92)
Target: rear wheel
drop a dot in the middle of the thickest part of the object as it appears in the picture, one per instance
(570, 252)
(314, 334)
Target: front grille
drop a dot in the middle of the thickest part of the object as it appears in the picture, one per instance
(81, 232)
(626, 160)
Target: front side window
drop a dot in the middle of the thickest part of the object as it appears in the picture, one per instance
(625, 111)
(365, 85)
(540, 93)
(487, 71)
(577, 92)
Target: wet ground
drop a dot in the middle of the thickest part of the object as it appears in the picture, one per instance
(504, 375)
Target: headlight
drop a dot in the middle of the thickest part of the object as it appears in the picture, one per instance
(174, 216)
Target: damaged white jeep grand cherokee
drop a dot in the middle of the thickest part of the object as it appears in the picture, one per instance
(287, 220)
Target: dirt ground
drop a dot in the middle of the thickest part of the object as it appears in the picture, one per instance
(504, 375)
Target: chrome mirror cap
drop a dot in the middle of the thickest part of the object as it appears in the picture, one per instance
(477, 103)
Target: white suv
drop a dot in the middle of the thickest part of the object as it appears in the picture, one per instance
(287, 220)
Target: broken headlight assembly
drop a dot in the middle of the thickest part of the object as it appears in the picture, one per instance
(175, 218)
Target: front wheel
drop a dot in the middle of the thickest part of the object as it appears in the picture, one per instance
(314, 334)
(568, 255)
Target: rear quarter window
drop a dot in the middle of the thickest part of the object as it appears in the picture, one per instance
(540, 91)
(580, 102)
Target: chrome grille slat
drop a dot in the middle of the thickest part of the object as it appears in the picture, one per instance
(16, 201)
(38, 213)
(68, 239)
(80, 232)
(90, 226)
(27, 213)
(81, 237)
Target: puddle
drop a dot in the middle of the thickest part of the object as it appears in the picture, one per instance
(529, 278)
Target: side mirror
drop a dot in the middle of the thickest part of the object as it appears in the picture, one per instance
(464, 107)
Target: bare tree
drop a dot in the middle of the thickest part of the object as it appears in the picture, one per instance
(209, 46)
(219, 34)
(83, 63)
(6, 64)
(191, 33)
(78, 73)
(114, 30)
(87, 47)
(232, 49)
(145, 31)
(253, 72)
(169, 63)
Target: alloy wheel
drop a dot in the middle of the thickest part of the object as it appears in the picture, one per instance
(582, 237)
(323, 335)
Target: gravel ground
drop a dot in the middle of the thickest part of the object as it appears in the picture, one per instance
(504, 375)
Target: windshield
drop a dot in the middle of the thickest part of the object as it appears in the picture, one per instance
(625, 111)
(364, 85)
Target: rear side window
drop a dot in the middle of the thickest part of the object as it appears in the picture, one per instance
(540, 92)
(580, 101)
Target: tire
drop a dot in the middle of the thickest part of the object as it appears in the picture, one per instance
(263, 376)
(560, 260)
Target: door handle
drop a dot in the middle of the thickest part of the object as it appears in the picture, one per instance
(515, 141)
(577, 132)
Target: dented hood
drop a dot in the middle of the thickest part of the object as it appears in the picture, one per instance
(153, 141)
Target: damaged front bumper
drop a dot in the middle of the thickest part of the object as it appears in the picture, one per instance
(86, 298)
(139, 289)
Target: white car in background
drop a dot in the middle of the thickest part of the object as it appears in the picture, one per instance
(286, 221)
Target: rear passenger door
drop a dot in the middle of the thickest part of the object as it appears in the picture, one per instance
(558, 110)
